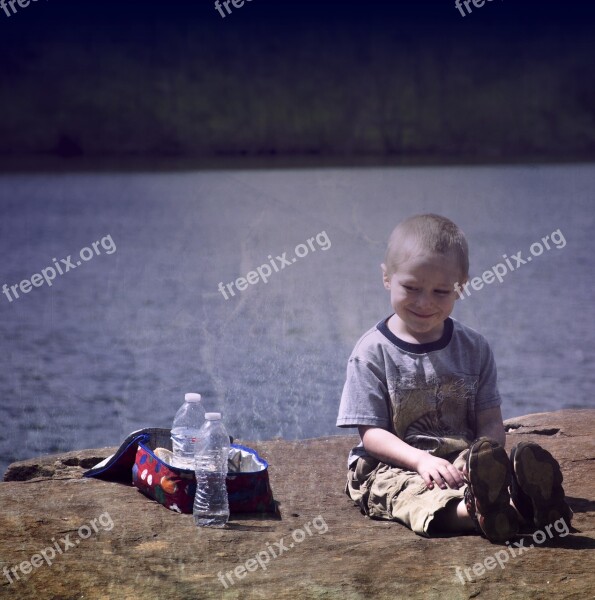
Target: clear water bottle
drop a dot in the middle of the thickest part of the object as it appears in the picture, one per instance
(184, 432)
(211, 505)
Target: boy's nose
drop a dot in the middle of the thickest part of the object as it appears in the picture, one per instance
(423, 300)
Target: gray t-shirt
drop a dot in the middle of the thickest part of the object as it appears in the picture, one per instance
(426, 394)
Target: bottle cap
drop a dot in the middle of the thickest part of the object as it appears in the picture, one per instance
(213, 416)
(192, 397)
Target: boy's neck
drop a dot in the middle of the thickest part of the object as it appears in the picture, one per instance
(399, 329)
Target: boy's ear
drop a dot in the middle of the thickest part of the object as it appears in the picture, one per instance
(385, 277)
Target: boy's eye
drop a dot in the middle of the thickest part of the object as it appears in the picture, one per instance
(410, 288)
(443, 292)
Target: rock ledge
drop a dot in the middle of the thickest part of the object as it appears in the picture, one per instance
(117, 544)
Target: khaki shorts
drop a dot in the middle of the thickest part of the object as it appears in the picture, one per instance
(385, 492)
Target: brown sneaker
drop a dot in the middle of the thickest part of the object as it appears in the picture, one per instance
(489, 474)
(537, 485)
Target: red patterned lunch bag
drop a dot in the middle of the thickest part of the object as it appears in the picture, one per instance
(135, 462)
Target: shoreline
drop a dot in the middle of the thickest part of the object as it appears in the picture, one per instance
(128, 164)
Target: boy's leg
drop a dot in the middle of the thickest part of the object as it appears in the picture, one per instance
(536, 488)
(489, 475)
(455, 517)
(452, 518)
(359, 478)
(386, 492)
(403, 496)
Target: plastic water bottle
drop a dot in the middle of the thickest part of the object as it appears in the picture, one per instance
(211, 505)
(184, 432)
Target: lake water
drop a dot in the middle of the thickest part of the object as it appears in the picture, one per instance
(115, 343)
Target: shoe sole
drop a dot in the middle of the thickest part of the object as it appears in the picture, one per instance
(539, 476)
(522, 502)
(489, 473)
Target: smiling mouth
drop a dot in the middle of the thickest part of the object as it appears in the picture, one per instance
(421, 316)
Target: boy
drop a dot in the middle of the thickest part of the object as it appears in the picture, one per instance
(421, 389)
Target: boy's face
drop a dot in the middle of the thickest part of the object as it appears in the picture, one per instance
(422, 295)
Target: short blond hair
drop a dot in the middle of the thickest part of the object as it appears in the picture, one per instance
(427, 233)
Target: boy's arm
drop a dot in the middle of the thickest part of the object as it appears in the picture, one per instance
(488, 423)
(388, 448)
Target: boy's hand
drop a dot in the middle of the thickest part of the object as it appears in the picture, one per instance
(388, 448)
(437, 470)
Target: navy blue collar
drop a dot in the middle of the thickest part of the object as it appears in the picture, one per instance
(417, 348)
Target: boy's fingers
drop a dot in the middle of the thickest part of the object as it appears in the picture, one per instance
(452, 477)
(440, 479)
(444, 474)
(449, 479)
(427, 480)
(457, 476)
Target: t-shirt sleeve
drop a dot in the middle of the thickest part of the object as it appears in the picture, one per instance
(487, 395)
(365, 396)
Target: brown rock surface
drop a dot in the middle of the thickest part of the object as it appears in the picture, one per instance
(151, 552)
